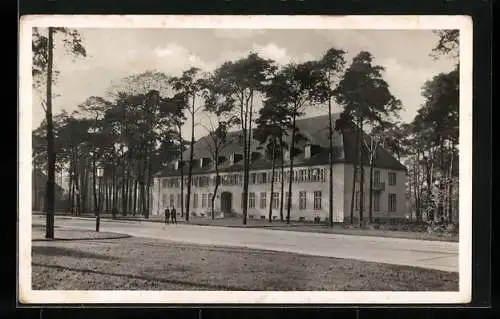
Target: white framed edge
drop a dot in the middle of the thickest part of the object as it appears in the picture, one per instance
(28, 296)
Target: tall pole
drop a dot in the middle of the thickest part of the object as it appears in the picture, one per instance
(98, 211)
(50, 189)
(158, 200)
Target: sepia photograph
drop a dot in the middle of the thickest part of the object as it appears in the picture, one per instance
(245, 159)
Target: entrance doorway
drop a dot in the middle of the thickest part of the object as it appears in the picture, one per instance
(226, 202)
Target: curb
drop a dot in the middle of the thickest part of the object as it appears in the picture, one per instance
(271, 227)
(122, 236)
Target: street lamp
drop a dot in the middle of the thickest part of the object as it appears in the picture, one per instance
(159, 194)
(100, 173)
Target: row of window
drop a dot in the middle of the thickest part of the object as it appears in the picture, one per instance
(317, 200)
(298, 176)
(391, 202)
(391, 176)
(275, 200)
(205, 200)
(170, 201)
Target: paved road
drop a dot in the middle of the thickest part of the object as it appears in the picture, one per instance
(420, 253)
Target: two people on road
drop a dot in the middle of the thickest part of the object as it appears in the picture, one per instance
(171, 215)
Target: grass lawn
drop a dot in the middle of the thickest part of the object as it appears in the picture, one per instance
(86, 261)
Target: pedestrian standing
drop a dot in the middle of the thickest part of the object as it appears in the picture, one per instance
(174, 215)
(167, 215)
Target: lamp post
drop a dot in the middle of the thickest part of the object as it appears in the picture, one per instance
(100, 172)
(158, 199)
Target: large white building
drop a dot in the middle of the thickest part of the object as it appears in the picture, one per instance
(311, 179)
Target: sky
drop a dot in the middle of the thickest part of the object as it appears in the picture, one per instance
(114, 54)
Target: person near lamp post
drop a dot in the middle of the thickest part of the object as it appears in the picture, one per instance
(98, 210)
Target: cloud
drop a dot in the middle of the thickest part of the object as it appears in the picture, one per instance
(405, 83)
(175, 58)
(269, 51)
(117, 53)
(272, 51)
(172, 49)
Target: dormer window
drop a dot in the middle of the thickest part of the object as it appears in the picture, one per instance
(204, 161)
(307, 151)
(193, 162)
(256, 156)
(235, 158)
(287, 155)
(178, 164)
(221, 159)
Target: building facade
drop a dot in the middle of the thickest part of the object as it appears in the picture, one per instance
(310, 179)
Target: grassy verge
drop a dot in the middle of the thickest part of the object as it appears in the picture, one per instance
(145, 264)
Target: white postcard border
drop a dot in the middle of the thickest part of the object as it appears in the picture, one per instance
(29, 296)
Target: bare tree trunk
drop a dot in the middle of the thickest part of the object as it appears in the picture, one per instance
(70, 191)
(191, 154)
(76, 174)
(114, 189)
(216, 188)
(83, 187)
(429, 185)
(94, 189)
(370, 195)
(134, 207)
(450, 186)
(442, 187)
(330, 162)
(35, 188)
(143, 197)
(148, 188)
(51, 156)
(290, 176)
(126, 193)
(273, 164)
(245, 132)
(94, 183)
(109, 194)
(248, 156)
(362, 177)
(354, 178)
(181, 146)
(129, 196)
(282, 180)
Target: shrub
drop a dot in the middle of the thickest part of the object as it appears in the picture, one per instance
(317, 220)
(451, 228)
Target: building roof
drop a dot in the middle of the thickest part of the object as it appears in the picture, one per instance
(315, 132)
